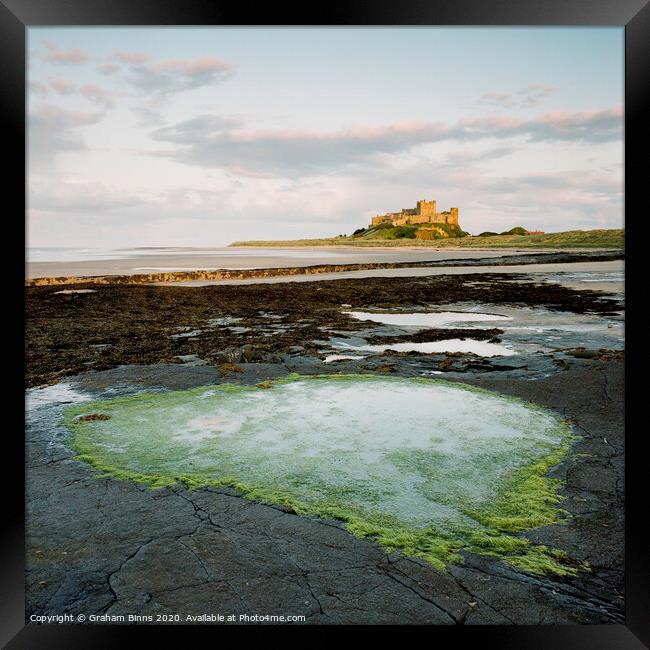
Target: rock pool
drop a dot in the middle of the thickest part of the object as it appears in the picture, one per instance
(425, 466)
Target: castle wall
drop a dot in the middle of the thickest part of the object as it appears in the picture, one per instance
(449, 216)
(420, 218)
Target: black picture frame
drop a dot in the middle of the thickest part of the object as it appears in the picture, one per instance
(18, 15)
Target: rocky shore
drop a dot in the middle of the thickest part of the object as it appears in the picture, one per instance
(112, 547)
(244, 274)
(119, 324)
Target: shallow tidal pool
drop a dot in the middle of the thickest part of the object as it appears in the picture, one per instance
(426, 319)
(466, 346)
(422, 465)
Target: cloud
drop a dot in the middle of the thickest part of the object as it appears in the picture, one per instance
(92, 92)
(57, 117)
(221, 210)
(53, 130)
(213, 141)
(148, 114)
(190, 67)
(531, 95)
(535, 94)
(107, 68)
(470, 157)
(551, 186)
(131, 57)
(63, 57)
(601, 126)
(176, 75)
(86, 198)
(196, 128)
(98, 95)
(38, 88)
(72, 211)
(561, 126)
(63, 86)
(498, 99)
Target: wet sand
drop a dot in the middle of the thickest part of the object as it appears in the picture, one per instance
(257, 258)
(613, 266)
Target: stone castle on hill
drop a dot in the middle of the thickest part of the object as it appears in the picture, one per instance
(424, 212)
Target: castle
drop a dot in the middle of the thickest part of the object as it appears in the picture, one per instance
(424, 212)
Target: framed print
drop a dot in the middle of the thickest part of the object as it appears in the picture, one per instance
(325, 320)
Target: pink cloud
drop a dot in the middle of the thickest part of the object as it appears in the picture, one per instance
(176, 75)
(97, 94)
(131, 57)
(56, 117)
(212, 141)
(190, 67)
(167, 76)
(54, 55)
(107, 68)
(565, 118)
(62, 86)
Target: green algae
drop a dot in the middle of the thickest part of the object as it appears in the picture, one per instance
(465, 493)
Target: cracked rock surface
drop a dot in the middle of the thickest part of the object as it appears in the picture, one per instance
(97, 545)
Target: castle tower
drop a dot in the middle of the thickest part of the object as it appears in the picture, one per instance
(426, 210)
(453, 218)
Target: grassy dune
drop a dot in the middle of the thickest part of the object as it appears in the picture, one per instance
(570, 239)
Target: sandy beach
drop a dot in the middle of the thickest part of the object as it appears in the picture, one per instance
(169, 260)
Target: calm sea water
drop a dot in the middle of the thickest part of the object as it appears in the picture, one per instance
(69, 254)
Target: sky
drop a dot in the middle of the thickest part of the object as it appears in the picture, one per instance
(203, 136)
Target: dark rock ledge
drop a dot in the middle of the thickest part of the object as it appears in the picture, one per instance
(100, 545)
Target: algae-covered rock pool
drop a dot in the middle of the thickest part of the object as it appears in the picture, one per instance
(425, 466)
